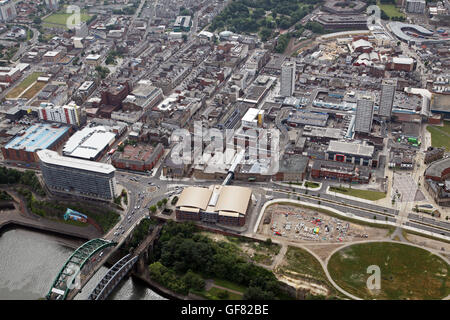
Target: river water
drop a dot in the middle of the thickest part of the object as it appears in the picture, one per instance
(30, 261)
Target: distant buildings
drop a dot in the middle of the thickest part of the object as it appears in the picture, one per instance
(52, 4)
(139, 158)
(433, 154)
(75, 177)
(351, 152)
(364, 114)
(437, 181)
(182, 23)
(340, 171)
(287, 86)
(388, 87)
(415, 6)
(70, 113)
(7, 10)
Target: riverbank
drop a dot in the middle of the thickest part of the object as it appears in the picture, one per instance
(14, 219)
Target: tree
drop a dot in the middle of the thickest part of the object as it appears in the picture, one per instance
(164, 201)
(152, 209)
(223, 294)
(256, 293)
(159, 204)
(193, 281)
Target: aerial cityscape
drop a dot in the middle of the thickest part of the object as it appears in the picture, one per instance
(224, 150)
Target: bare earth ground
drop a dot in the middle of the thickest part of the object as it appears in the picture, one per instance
(339, 230)
(429, 243)
(323, 250)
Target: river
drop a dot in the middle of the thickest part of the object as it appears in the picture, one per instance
(30, 262)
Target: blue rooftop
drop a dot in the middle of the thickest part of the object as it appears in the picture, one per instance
(37, 137)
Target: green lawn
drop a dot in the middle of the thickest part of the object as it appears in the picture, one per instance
(391, 10)
(438, 136)
(364, 194)
(60, 19)
(214, 294)
(17, 90)
(310, 184)
(35, 88)
(229, 285)
(407, 272)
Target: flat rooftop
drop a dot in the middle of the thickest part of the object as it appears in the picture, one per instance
(89, 142)
(52, 157)
(351, 148)
(138, 153)
(38, 136)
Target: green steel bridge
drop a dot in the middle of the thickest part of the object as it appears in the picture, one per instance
(71, 271)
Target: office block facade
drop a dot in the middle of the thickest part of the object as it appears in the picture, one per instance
(364, 113)
(87, 179)
(388, 87)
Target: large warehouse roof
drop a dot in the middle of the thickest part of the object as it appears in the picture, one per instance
(89, 142)
(38, 136)
(234, 199)
(52, 157)
(194, 197)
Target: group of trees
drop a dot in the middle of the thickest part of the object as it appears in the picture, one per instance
(28, 178)
(111, 58)
(141, 231)
(102, 71)
(169, 279)
(181, 249)
(159, 204)
(251, 16)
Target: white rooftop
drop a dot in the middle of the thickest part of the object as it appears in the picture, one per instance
(52, 157)
(87, 143)
(51, 53)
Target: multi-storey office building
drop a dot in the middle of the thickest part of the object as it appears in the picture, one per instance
(87, 179)
(287, 79)
(388, 87)
(364, 114)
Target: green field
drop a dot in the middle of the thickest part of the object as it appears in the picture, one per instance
(35, 88)
(302, 265)
(440, 136)
(17, 90)
(391, 10)
(407, 272)
(364, 194)
(59, 19)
